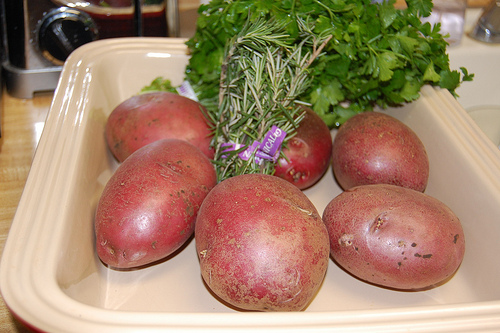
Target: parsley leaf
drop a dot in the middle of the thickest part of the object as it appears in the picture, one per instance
(420, 7)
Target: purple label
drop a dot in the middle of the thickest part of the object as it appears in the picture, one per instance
(272, 141)
(263, 156)
(247, 153)
(230, 147)
(268, 150)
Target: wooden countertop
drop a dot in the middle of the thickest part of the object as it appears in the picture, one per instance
(21, 125)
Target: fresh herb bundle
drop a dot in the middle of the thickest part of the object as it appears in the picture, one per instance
(378, 55)
(262, 74)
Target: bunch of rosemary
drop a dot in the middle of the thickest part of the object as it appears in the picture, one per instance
(262, 74)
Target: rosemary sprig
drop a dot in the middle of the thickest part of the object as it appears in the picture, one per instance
(262, 74)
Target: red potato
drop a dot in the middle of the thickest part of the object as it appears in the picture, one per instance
(149, 117)
(375, 148)
(308, 153)
(148, 207)
(261, 244)
(394, 237)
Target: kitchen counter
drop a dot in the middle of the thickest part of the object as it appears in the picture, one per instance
(22, 122)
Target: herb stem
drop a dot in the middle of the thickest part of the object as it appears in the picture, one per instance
(262, 74)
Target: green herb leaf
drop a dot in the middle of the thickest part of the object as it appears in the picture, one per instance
(388, 14)
(159, 84)
(430, 74)
(420, 7)
(387, 61)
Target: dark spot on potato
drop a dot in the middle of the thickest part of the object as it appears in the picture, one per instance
(153, 121)
(400, 264)
(413, 244)
(298, 176)
(425, 256)
(153, 245)
(401, 243)
(455, 238)
(190, 210)
(379, 223)
(346, 240)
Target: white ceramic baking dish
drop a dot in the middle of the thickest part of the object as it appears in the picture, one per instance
(52, 279)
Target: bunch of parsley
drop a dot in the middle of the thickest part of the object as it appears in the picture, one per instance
(379, 55)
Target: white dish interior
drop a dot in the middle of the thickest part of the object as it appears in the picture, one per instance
(53, 280)
(481, 97)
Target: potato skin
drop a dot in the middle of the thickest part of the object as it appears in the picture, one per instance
(394, 237)
(148, 117)
(375, 148)
(308, 153)
(148, 207)
(261, 244)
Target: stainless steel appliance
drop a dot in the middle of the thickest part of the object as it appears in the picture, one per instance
(40, 34)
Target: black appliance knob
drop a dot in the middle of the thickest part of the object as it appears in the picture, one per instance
(62, 30)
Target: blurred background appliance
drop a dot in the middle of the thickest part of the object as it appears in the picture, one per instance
(38, 35)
